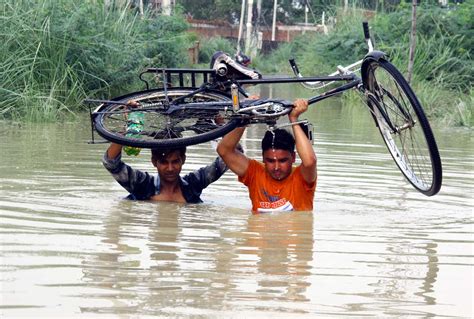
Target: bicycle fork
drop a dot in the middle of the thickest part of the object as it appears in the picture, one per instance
(373, 101)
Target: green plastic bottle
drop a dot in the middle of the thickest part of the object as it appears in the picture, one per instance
(135, 123)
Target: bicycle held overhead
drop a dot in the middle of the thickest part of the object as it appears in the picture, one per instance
(183, 112)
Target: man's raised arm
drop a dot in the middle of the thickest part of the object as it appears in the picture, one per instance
(303, 145)
(227, 150)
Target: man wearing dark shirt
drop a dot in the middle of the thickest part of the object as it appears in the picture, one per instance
(167, 185)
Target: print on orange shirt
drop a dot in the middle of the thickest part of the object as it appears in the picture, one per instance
(268, 194)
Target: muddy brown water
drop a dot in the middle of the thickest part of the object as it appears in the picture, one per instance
(373, 246)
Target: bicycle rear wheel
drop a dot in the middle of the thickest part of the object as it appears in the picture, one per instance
(404, 126)
(162, 130)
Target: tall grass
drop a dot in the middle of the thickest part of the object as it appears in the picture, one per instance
(54, 53)
(36, 80)
(446, 107)
(443, 72)
(443, 53)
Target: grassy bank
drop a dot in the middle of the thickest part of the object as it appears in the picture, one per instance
(54, 53)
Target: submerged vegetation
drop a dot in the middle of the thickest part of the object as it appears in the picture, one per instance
(55, 53)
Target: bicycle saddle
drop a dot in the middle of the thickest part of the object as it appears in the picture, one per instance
(227, 67)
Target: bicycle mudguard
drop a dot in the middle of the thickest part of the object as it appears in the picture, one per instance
(371, 56)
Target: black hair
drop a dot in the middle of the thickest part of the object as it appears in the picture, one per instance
(159, 154)
(279, 139)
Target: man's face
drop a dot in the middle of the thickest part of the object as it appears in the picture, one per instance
(278, 163)
(170, 167)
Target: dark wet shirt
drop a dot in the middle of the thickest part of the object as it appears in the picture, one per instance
(142, 185)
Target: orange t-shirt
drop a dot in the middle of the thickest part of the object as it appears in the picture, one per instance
(268, 194)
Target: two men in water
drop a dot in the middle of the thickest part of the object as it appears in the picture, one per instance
(273, 186)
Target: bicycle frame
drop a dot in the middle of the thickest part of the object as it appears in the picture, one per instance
(211, 80)
(351, 78)
(205, 80)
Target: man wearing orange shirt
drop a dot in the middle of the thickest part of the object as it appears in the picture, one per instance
(275, 185)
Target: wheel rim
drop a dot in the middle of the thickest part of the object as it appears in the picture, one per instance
(401, 130)
(183, 128)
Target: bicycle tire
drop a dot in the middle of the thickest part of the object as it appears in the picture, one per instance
(161, 130)
(403, 125)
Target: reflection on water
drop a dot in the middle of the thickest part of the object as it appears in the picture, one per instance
(160, 258)
(372, 247)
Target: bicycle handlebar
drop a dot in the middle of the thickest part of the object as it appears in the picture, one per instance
(368, 40)
(350, 69)
(294, 67)
(365, 25)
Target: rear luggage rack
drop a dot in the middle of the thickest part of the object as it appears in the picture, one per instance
(174, 77)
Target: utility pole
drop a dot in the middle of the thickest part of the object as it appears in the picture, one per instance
(274, 19)
(258, 35)
(241, 25)
(140, 5)
(166, 7)
(259, 11)
(248, 37)
(305, 16)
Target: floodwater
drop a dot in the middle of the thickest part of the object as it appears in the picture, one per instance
(372, 247)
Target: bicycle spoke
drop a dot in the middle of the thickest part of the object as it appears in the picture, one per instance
(391, 107)
(420, 160)
(410, 145)
(189, 123)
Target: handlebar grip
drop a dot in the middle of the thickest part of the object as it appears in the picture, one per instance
(365, 25)
(294, 67)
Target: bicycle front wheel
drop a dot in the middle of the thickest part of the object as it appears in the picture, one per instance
(404, 126)
(160, 129)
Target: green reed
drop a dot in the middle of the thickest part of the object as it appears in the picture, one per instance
(54, 53)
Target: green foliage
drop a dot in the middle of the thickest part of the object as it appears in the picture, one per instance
(211, 9)
(444, 43)
(209, 46)
(443, 69)
(274, 63)
(56, 52)
(448, 107)
(319, 53)
(437, 62)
